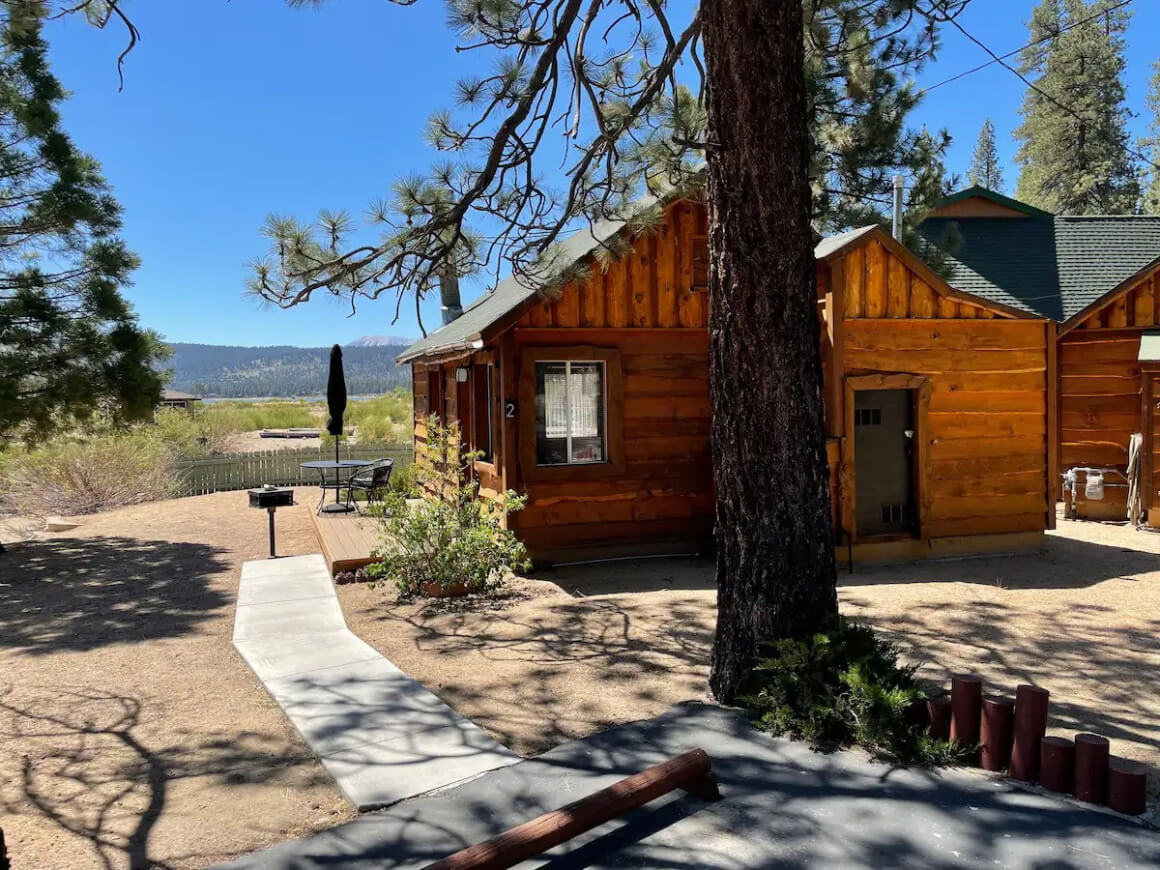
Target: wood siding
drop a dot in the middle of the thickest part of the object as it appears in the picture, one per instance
(1136, 307)
(981, 376)
(662, 500)
(662, 283)
(1099, 397)
(985, 469)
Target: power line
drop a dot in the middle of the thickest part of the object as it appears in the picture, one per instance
(1000, 58)
(1002, 61)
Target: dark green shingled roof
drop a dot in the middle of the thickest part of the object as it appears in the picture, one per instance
(1051, 266)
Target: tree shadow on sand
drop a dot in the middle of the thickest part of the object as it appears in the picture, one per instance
(95, 775)
(76, 594)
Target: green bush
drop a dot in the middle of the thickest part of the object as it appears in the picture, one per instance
(843, 687)
(82, 476)
(190, 435)
(451, 536)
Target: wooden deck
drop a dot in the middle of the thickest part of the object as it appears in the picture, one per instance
(346, 540)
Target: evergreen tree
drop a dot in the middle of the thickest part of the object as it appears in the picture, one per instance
(69, 343)
(1150, 145)
(985, 170)
(1073, 154)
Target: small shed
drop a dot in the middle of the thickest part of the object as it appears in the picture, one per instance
(1098, 279)
(596, 402)
(178, 399)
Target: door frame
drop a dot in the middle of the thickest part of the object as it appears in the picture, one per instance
(920, 388)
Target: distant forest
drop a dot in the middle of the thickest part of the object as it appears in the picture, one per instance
(213, 370)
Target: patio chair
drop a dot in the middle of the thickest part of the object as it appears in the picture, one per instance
(372, 479)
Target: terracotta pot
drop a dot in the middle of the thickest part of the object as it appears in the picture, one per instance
(434, 590)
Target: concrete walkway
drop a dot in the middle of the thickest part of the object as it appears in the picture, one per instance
(379, 733)
(782, 806)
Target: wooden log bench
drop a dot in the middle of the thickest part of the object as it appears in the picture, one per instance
(691, 771)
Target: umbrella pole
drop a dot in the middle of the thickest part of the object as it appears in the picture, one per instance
(337, 469)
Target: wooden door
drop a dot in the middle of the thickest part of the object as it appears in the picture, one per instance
(884, 439)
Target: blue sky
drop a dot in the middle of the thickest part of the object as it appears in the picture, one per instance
(231, 111)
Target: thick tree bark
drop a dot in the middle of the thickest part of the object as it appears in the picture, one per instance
(775, 562)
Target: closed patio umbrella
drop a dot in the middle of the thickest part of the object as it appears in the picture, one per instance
(335, 401)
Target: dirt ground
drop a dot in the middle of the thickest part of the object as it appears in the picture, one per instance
(130, 732)
(559, 657)
(581, 648)
(253, 442)
(132, 735)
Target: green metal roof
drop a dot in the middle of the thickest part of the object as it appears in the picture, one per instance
(1053, 266)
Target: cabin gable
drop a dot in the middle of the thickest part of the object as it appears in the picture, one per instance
(1135, 304)
(662, 282)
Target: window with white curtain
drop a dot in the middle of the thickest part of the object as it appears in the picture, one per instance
(570, 412)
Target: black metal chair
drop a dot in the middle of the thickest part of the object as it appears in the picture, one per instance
(372, 479)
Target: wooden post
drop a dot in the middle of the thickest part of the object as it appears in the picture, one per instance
(1057, 764)
(1126, 783)
(1030, 727)
(966, 708)
(690, 770)
(997, 731)
(938, 711)
(1091, 768)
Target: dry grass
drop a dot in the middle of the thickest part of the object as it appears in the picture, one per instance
(132, 734)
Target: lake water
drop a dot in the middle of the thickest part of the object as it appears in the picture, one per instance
(217, 399)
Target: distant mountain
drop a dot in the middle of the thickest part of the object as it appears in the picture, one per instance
(381, 341)
(214, 370)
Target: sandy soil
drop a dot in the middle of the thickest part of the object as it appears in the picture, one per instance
(253, 442)
(1081, 619)
(131, 735)
(559, 658)
(130, 732)
(581, 648)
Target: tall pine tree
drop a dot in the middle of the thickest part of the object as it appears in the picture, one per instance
(1151, 145)
(69, 343)
(985, 170)
(1074, 148)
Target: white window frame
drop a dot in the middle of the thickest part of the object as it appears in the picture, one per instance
(568, 363)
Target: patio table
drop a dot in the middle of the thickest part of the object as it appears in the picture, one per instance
(324, 465)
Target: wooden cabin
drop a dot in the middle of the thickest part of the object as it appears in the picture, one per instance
(596, 403)
(1098, 280)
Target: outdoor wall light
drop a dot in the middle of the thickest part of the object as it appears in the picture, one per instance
(461, 374)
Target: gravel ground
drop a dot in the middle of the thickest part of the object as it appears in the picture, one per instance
(130, 732)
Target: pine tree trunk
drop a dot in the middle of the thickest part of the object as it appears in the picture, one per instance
(775, 562)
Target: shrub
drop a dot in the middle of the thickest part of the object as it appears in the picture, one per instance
(451, 536)
(845, 686)
(71, 476)
(190, 434)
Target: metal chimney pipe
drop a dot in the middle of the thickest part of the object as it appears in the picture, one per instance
(896, 227)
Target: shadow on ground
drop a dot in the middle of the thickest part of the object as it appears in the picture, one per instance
(80, 594)
(90, 770)
(1063, 563)
(673, 574)
(782, 806)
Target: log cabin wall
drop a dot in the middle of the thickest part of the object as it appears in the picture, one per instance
(1100, 388)
(982, 426)
(647, 314)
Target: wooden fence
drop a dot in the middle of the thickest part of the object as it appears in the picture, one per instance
(232, 471)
